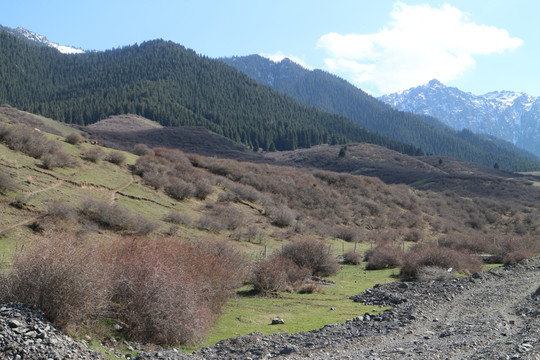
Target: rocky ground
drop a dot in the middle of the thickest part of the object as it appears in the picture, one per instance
(491, 315)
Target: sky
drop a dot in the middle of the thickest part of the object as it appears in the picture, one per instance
(380, 46)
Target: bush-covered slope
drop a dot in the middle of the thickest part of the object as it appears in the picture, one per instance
(167, 83)
(337, 96)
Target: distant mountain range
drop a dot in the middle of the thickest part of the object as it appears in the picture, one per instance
(512, 116)
(174, 86)
(40, 40)
(335, 95)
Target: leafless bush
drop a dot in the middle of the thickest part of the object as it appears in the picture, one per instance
(278, 273)
(431, 255)
(94, 154)
(413, 236)
(116, 157)
(61, 276)
(518, 255)
(202, 189)
(212, 222)
(384, 257)
(352, 258)
(175, 217)
(75, 138)
(23, 138)
(58, 158)
(179, 189)
(281, 215)
(6, 183)
(347, 233)
(169, 292)
(115, 217)
(434, 273)
(143, 149)
(312, 254)
(310, 287)
(166, 291)
(61, 210)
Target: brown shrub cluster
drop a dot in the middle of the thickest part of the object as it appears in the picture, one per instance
(290, 268)
(165, 291)
(278, 273)
(313, 254)
(94, 154)
(75, 138)
(116, 157)
(115, 217)
(431, 255)
(6, 182)
(172, 171)
(23, 138)
(352, 258)
(383, 257)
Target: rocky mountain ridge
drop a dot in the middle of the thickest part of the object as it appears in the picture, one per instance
(511, 116)
(41, 40)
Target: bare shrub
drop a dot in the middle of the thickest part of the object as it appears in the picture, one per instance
(352, 258)
(75, 138)
(6, 183)
(177, 218)
(281, 215)
(169, 292)
(202, 189)
(434, 273)
(310, 287)
(58, 158)
(312, 254)
(61, 276)
(166, 291)
(384, 257)
(143, 149)
(21, 137)
(278, 273)
(212, 222)
(507, 248)
(518, 255)
(61, 210)
(115, 217)
(179, 189)
(116, 157)
(413, 236)
(142, 225)
(347, 233)
(94, 154)
(431, 255)
(466, 243)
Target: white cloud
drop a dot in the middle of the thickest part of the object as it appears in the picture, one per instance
(419, 44)
(278, 56)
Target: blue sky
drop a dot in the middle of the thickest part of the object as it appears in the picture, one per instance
(380, 46)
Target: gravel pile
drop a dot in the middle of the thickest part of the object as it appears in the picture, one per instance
(491, 315)
(25, 333)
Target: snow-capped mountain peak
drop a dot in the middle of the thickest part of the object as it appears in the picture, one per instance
(512, 116)
(41, 40)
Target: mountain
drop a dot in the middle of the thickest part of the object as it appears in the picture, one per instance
(172, 85)
(511, 116)
(335, 95)
(40, 40)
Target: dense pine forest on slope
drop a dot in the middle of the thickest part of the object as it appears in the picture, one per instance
(164, 82)
(337, 96)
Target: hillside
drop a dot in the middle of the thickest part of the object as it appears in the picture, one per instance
(171, 85)
(511, 116)
(330, 93)
(90, 234)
